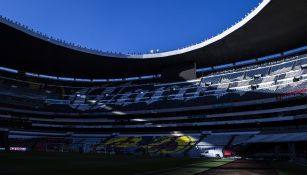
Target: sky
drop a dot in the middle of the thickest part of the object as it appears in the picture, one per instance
(128, 26)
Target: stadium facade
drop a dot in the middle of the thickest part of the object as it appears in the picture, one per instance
(242, 92)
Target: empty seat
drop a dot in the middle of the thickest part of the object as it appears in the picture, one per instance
(299, 63)
(281, 68)
(213, 80)
(237, 76)
(260, 71)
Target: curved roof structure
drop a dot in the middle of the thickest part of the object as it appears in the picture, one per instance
(273, 27)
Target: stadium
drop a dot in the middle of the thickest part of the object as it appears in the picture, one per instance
(234, 103)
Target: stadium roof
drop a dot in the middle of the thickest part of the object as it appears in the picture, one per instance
(273, 27)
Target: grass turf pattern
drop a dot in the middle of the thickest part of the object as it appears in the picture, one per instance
(88, 164)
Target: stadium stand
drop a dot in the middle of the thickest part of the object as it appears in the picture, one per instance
(238, 100)
(222, 110)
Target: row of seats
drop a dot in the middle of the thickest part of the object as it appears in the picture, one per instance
(221, 94)
(124, 96)
(150, 145)
(196, 144)
(238, 75)
(237, 86)
(281, 114)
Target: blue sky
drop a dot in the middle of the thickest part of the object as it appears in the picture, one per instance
(128, 25)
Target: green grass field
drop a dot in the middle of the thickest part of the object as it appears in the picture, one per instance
(92, 164)
(87, 164)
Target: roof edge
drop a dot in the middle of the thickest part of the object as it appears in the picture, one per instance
(225, 33)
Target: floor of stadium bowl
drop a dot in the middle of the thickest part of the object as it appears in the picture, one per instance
(243, 167)
(190, 169)
(89, 164)
(92, 164)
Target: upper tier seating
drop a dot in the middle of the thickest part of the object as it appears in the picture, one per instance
(266, 81)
